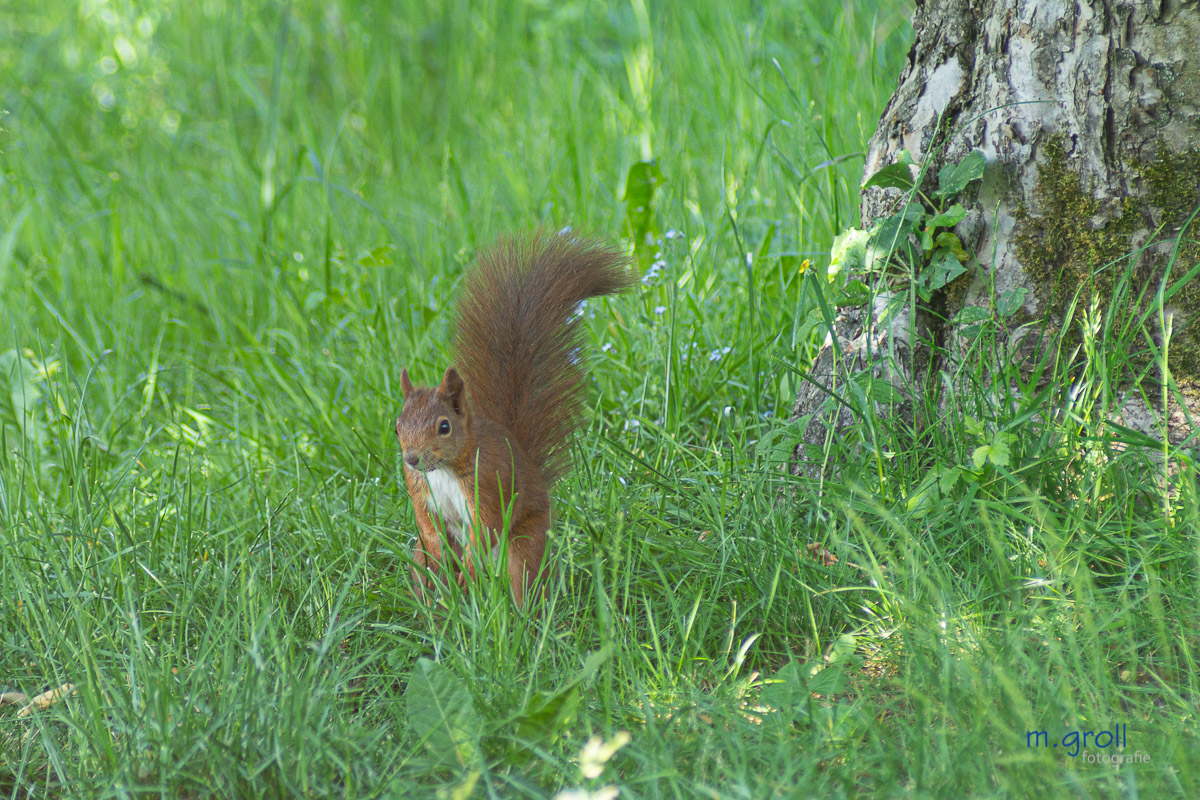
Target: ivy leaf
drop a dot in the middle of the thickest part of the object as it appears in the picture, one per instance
(971, 320)
(855, 293)
(889, 232)
(952, 243)
(1011, 301)
(926, 241)
(893, 176)
(971, 315)
(948, 218)
(889, 237)
(944, 268)
(953, 178)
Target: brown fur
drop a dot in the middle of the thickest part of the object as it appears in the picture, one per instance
(512, 404)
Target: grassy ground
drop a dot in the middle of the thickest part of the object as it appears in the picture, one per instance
(225, 226)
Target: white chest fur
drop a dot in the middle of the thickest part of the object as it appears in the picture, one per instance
(447, 500)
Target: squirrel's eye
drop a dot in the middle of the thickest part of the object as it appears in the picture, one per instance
(444, 427)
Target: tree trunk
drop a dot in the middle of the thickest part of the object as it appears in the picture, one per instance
(1088, 114)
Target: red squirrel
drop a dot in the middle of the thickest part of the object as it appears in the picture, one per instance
(489, 441)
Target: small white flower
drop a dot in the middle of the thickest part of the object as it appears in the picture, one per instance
(603, 793)
(606, 347)
(674, 234)
(660, 310)
(597, 752)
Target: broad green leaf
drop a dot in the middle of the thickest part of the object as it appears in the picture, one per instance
(947, 478)
(845, 650)
(952, 243)
(1011, 301)
(948, 218)
(944, 268)
(971, 320)
(19, 392)
(849, 252)
(442, 714)
(789, 686)
(889, 233)
(973, 426)
(855, 293)
(953, 178)
(919, 501)
(805, 328)
(830, 680)
(641, 182)
(997, 452)
(893, 176)
(380, 256)
(1000, 449)
(970, 315)
(548, 715)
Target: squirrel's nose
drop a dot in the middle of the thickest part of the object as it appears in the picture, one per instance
(412, 459)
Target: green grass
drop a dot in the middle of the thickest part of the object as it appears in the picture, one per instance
(225, 227)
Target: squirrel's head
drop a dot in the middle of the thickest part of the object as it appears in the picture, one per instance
(433, 425)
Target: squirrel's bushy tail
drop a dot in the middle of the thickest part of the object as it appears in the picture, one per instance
(517, 341)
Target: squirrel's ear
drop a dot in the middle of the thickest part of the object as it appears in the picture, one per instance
(452, 389)
(406, 386)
